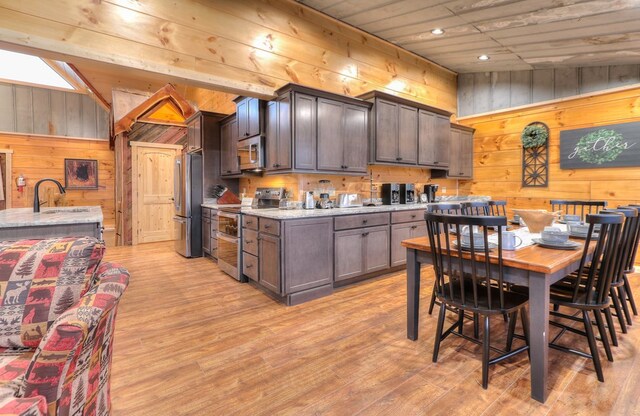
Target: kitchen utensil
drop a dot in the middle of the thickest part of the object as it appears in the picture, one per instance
(224, 195)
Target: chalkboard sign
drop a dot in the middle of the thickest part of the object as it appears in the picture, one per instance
(615, 145)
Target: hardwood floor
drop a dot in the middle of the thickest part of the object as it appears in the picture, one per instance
(192, 341)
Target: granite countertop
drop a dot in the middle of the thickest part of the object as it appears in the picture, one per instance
(25, 217)
(288, 214)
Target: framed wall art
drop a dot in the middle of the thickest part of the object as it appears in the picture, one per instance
(615, 145)
(80, 174)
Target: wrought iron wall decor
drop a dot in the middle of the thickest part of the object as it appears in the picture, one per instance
(535, 157)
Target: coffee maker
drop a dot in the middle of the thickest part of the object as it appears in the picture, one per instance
(430, 189)
(407, 193)
(390, 193)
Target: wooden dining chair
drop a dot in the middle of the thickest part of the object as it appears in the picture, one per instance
(589, 290)
(441, 208)
(629, 269)
(577, 207)
(480, 289)
(627, 243)
(475, 208)
(497, 208)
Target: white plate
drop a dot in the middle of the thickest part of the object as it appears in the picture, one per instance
(567, 245)
(466, 247)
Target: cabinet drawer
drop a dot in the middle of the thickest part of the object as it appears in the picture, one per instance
(206, 212)
(362, 220)
(250, 266)
(269, 226)
(250, 222)
(250, 241)
(407, 216)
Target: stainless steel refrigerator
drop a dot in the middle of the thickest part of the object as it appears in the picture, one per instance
(187, 197)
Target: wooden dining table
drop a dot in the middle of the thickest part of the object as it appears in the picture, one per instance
(532, 266)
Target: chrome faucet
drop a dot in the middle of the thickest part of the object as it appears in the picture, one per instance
(36, 195)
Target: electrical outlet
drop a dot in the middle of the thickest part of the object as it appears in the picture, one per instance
(444, 189)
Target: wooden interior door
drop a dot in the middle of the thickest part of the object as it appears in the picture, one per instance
(152, 187)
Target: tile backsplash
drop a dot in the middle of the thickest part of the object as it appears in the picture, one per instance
(296, 183)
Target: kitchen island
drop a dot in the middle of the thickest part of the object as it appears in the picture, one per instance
(299, 255)
(23, 223)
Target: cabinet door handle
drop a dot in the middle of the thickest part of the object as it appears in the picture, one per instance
(248, 241)
(461, 173)
(398, 158)
(267, 226)
(365, 221)
(435, 163)
(413, 227)
(413, 215)
(248, 222)
(249, 266)
(365, 234)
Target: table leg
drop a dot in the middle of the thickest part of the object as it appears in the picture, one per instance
(413, 294)
(539, 334)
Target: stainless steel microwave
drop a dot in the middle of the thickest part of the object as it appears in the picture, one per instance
(251, 153)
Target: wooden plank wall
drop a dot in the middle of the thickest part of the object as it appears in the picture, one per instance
(482, 92)
(352, 184)
(38, 157)
(252, 46)
(32, 110)
(498, 152)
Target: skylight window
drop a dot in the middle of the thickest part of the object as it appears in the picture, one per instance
(18, 67)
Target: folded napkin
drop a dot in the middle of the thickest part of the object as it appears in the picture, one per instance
(537, 219)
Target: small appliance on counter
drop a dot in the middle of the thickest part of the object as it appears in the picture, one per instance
(349, 200)
(408, 193)
(309, 202)
(430, 189)
(268, 198)
(324, 202)
(390, 193)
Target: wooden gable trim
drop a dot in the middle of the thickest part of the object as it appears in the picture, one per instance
(168, 92)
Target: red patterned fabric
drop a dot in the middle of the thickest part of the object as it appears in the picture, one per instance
(11, 405)
(40, 279)
(13, 365)
(72, 366)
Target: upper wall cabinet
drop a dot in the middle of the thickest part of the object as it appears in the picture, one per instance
(249, 114)
(460, 154)
(229, 164)
(314, 131)
(405, 132)
(194, 133)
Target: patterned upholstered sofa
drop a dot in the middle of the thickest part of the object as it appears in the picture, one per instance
(57, 315)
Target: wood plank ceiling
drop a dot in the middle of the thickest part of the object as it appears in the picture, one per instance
(516, 34)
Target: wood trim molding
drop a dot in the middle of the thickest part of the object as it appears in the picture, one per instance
(92, 91)
(8, 179)
(133, 143)
(548, 102)
(168, 92)
(49, 136)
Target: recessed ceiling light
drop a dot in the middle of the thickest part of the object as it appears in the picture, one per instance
(437, 31)
(483, 57)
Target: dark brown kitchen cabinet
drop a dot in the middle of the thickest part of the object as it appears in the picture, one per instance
(194, 133)
(400, 232)
(278, 133)
(302, 237)
(342, 137)
(249, 115)
(405, 132)
(269, 262)
(361, 251)
(229, 164)
(433, 139)
(460, 154)
(407, 135)
(304, 130)
(206, 235)
(311, 130)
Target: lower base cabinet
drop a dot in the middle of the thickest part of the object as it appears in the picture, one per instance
(401, 232)
(361, 251)
(269, 262)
